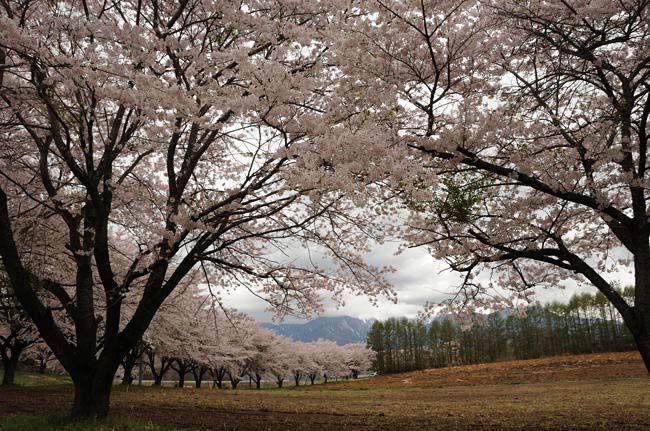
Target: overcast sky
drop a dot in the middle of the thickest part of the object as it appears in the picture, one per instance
(418, 279)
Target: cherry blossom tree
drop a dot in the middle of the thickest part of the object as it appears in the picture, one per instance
(42, 356)
(515, 132)
(303, 361)
(17, 332)
(129, 361)
(260, 342)
(358, 357)
(281, 361)
(227, 351)
(190, 346)
(330, 357)
(171, 340)
(155, 139)
(158, 364)
(235, 368)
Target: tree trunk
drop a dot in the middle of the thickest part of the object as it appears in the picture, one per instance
(279, 382)
(10, 364)
(234, 380)
(639, 324)
(181, 380)
(92, 397)
(127, 379)
(325, 378)
(218, 375)
(158, 375)
(198, 379)
(643, 344)
(182, 368)
(198, 372)
(9, 375)
(641, 333)
(128, 363)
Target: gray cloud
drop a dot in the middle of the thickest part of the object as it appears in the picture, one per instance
(418, 279)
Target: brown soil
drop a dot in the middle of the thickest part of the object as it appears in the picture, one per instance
(588, 392)
(558, 368)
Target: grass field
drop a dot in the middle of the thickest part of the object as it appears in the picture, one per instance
(587, 392)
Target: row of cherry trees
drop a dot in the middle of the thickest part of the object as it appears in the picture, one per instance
(194, 336)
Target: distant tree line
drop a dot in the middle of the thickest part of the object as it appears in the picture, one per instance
(586, 324)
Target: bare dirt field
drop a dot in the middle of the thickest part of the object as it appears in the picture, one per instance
(555, 369)
(587, 392)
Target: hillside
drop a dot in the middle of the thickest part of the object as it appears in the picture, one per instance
(341, 329)
(596, 366)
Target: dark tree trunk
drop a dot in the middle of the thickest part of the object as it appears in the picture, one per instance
(312, 377)
(638, 320)
(643, 344)
(9, 375)
(296, 378)
(182, 368)
(158, 374)
(218, 374)
(258, 380)
(198, 371)
(129, 361)
(355, 374)
(92, 396)
(128, 365)
(234, 380)
(42, 366)
(10, 363)
(127, 378)
(641, 333)
(325, 378)
(279, 381)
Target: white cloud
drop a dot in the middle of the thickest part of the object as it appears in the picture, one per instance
(418, 279)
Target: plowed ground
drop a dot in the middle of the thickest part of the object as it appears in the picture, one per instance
(555, 369)
(589, 392)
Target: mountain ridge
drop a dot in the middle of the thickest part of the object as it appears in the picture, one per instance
(341, 329)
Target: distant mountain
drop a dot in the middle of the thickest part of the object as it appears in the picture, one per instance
(341, 329)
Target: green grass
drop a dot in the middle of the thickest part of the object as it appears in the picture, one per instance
(32, 423)
(25, 378)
